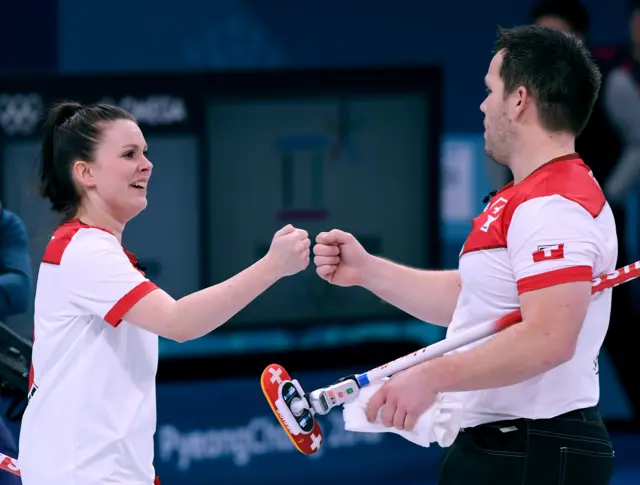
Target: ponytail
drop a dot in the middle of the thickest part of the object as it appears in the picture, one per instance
(56, 183)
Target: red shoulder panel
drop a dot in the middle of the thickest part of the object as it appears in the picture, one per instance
(59, 242)
(566, 176)
(62, 237)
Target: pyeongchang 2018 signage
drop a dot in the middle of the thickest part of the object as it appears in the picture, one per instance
(224, 432)
(241, 444)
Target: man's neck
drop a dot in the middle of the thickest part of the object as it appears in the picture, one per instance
(538, 151)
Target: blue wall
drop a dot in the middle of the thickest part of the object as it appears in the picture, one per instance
(155, 35)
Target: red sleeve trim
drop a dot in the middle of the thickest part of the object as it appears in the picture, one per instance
(124, 304)
(555, 277)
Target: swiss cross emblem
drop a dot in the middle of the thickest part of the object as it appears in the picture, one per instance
(547, 252)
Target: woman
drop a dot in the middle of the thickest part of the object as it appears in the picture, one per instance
(91, 415)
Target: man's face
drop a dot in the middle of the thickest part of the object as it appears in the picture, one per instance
(499, 134)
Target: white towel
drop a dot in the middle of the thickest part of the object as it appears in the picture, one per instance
(438, 424)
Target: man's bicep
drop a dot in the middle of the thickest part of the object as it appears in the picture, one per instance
(552, 241)
(558, 313)
(568, 299)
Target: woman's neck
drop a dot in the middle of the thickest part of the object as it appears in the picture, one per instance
(101, 219)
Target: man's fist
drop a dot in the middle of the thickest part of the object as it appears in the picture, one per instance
(340, 258)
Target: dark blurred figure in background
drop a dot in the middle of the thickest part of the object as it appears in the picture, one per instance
(599, 145)
(610, 146)
(565, 15)
(15, 293)
(15, 266)
(621, 100)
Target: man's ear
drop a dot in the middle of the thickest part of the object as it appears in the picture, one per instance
(521, 99)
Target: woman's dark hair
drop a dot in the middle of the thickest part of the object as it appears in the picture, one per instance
(71, 132)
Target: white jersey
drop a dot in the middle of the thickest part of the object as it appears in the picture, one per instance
(553, 227)
(91, 416)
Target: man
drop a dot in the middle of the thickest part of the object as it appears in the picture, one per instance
(530, 392)
(15, 292)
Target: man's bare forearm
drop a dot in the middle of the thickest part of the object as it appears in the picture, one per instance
(427, 295)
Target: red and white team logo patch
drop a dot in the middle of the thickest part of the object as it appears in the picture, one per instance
(494, 209)
(547, 252)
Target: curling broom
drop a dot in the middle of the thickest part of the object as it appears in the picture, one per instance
(296, 411)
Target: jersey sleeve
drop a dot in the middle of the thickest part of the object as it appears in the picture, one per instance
(552, 240)
(99, 277)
